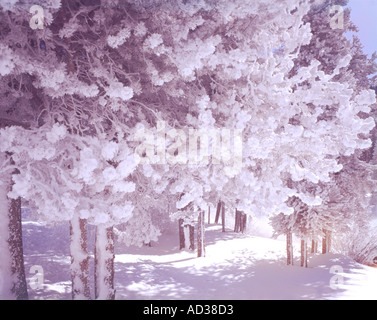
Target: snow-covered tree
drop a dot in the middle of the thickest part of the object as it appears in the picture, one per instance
(100, 72)
(82, 178)
(247, 83)
(283, 225)
(330, 43)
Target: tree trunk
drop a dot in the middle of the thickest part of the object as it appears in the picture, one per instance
(17, 252)
(243, 222)
(314, 248)
(289, 248)
(192, 238)
(218, 210)
(326, 241)
(12, 271)
(209, 215)
(304, 253)
(104, 263)
(240, 222)
(79, 259)
(201, 232)
(237, 221)
(223, 216)
(6, 276)
(189, 239)
(182, 244)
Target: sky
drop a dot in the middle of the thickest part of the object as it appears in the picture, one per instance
(364, 16)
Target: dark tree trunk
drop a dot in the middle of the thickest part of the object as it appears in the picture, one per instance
(243, 222)
(237, 221)
(304, 253)
(240, 222)
(314, 247)
(192, 238)
(182, 244)
(79, 259)
(11, 241)
(16, 249)
(289, 248)
(218, 210)
(223, 216)
(201, 231)
(104, 263)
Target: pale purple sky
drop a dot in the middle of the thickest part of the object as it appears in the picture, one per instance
(364, 16)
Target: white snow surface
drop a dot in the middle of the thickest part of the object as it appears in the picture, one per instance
(236, 267)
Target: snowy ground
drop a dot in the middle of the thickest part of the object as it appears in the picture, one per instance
(236, 267)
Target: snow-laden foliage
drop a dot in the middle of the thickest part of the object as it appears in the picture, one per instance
(64, 174)
(226, 75)
(89, 89)
(344, 203)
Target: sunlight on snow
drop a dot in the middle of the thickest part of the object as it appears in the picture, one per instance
(360, 284)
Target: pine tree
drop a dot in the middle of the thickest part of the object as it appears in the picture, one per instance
(282, 225)
(99, 75)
